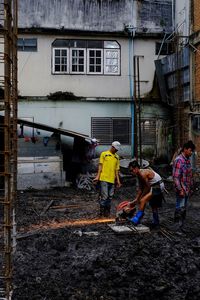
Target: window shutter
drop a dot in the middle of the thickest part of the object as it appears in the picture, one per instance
(108, 130)
(148, 131)
(102, 129)
(121, 130)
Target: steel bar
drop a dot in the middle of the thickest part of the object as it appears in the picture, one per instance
(8, 141)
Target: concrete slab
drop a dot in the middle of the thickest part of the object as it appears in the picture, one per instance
(124, 229)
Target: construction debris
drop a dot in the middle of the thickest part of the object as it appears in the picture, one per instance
(86, 259)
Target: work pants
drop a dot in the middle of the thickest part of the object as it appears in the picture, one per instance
(180, 211)
(106, 193)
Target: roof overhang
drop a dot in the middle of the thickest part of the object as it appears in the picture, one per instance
(45, 127)
(52, 129)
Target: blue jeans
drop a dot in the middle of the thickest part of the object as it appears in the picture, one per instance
(181, 202)
(106, 192)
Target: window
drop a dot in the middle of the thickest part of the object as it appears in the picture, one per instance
(111, 61)
(164, 49)
(60, 63)
(109, 129)
(95, 60)
(77, 62)
(148, 131)
(86, 57)
(27, 45)
(196, 123)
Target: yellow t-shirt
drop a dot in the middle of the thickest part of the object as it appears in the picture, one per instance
(110, 164)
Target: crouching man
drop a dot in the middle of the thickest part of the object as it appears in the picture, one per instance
(150, 191)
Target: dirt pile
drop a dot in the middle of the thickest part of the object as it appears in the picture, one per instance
(58, 260)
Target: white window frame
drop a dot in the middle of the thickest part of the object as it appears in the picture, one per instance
(61, 72)
(84, 63)
(88, 61)
(118, 61)
(106, 61)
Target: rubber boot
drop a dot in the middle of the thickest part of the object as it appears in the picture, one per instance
(177, 215)
(102, 211)
(156, 222)
(107, 211)
(183, 217)
(177, 220)
(137, 218)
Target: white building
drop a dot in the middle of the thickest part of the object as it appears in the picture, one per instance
(75, 67)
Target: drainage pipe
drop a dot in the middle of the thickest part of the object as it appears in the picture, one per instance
(131, 84)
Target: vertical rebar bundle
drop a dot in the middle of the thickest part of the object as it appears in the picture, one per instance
(8, 141)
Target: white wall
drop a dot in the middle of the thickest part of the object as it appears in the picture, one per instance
(182, 12)
(146, 48)
(74, 115)
(35, 77)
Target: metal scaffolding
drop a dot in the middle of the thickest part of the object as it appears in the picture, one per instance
(8, 141)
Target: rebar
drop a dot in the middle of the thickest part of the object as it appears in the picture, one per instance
(8, 141)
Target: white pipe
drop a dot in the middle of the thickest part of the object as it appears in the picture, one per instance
(173, 15)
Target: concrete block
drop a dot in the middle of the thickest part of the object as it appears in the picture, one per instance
(124, 229)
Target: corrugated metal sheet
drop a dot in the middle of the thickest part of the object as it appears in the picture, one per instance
(174, 76)
(52, 129)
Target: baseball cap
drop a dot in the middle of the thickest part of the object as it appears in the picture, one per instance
(116, 145)
(93, 140)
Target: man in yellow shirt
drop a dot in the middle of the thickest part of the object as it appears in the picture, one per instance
(108, 175)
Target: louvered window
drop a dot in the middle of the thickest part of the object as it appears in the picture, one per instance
(108, 130)
(148, 131)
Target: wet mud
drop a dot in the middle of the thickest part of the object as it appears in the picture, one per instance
(65, 252)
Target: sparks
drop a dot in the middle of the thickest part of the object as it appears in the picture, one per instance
(68, 223)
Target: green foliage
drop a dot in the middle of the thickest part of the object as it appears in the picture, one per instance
(62, 96)
(162, 23)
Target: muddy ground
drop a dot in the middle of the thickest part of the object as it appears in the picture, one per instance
(61, 257)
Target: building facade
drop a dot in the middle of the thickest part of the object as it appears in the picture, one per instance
(84, 65)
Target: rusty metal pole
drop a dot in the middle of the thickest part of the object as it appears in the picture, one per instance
(14, 115)
(139, 110)
(135, 110)
(7, 147)
(8, 142)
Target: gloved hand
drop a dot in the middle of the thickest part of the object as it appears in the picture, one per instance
(136, 219)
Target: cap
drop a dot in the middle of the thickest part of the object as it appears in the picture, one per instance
(93, 140)
(116, 145)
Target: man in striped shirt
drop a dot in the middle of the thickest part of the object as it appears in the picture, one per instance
(182, 177)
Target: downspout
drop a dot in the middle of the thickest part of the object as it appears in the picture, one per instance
(130, 29)
(173, 14)
(131, 84)
(192, 54)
